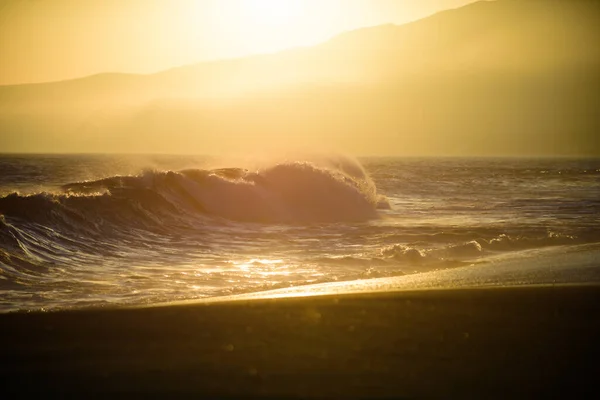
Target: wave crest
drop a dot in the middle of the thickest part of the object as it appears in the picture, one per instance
(296, 192)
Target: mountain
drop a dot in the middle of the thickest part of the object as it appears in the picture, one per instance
(505, 77)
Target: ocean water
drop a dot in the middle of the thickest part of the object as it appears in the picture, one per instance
(96, 230)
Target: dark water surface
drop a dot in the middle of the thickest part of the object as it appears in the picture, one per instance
(90, 230)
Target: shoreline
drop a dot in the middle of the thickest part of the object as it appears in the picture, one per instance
(550, 267)
(490, 342)
(553, 265)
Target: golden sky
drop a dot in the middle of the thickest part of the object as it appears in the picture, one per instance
(48, 40)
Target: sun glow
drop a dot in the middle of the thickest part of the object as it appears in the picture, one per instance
(237, 28)
(263, 26)
(272, 12)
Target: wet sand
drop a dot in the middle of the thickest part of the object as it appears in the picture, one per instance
(519, 341)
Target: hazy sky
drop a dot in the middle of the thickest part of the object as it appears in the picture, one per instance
(46, 40)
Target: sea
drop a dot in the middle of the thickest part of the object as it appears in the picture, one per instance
(79, 231)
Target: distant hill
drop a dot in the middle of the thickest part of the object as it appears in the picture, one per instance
(505, 77)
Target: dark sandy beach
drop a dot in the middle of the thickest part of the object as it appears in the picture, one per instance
(520, 341)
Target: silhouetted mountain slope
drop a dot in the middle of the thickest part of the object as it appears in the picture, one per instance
(498, 77)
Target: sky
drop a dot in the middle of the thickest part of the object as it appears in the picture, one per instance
(50, 40)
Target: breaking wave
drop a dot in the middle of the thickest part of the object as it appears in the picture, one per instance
(291, 193)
